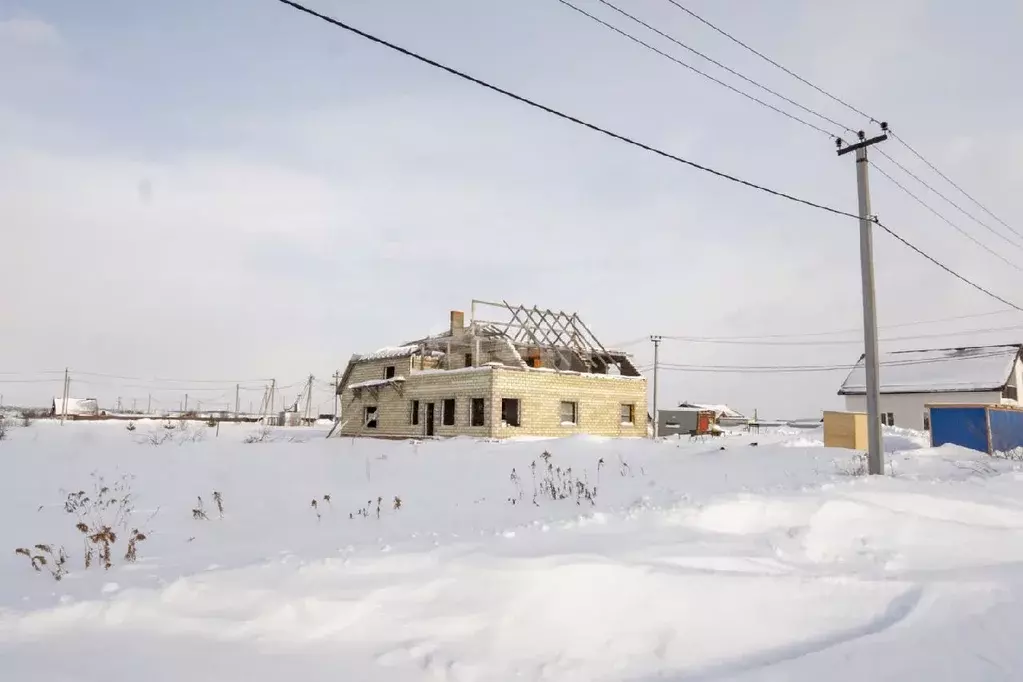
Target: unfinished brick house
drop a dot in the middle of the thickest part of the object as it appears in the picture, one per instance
(527, 372)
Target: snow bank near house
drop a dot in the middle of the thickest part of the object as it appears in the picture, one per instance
(692, 562)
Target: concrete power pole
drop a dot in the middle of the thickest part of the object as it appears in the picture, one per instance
(236, 398)
(63, 403)
(309, 399)
(875, 446)
(337, 379)
(657, 346)
(149, 404)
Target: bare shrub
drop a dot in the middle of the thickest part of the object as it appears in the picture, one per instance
(42, 556)
(3, 428)
(218, 499)
(157, 438)
(100, 515)
(131, 556)
(187, 434)
(130, 427)
(514, 478)
(364, 511)
(855, 466)
(199, 513)
(316, 509)
(1014, 455)
(265, 434)
(556, 483)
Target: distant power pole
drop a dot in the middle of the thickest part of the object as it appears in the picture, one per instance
(875, 449)
(309, 398)
(337, 382)
(186, 403)
(236, 395)
(63, 402)
(134, 401)
(657, 346)
(149, 404)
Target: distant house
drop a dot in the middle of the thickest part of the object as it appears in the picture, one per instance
(723, 414)
(910, 380)
(76, 407)
(520, 371)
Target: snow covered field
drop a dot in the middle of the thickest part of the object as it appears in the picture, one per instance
(690, 563)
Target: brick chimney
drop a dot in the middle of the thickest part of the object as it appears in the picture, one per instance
(457, 322)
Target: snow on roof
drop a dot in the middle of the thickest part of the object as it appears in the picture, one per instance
(376, 382)
(76, 406)
(591, 375)
(389, 352)
(720, 410)
(977, 368)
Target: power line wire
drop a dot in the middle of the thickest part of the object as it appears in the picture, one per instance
(559, 114)
(750, 341)
(949, 181)
(30, 381)
(946, 199)
(712, 61)
(944, 267)
(158, 379)
(694, 69)
(627, 140)
(944, 218)
(771, 369)
(772, 62)
(854, 330)
(849, 106)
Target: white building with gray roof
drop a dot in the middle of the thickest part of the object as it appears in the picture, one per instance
(913, 379)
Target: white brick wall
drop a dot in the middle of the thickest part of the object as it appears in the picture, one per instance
(598, 398)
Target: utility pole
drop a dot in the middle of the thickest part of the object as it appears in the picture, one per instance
(309, 398)
(273, 397)
(118, 403)
(875, 448)
(236, 396)
(657, 346)
(149, 404)
(63, 402)
(337, 380)
(186, 403)
(134, 401)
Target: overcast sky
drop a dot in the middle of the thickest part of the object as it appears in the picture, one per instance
(233, 190)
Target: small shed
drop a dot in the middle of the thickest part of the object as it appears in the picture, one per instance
(684, 421)
(76, 407)
(845, 430)
(985, 428)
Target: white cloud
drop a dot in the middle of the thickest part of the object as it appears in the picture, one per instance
(28, 33)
